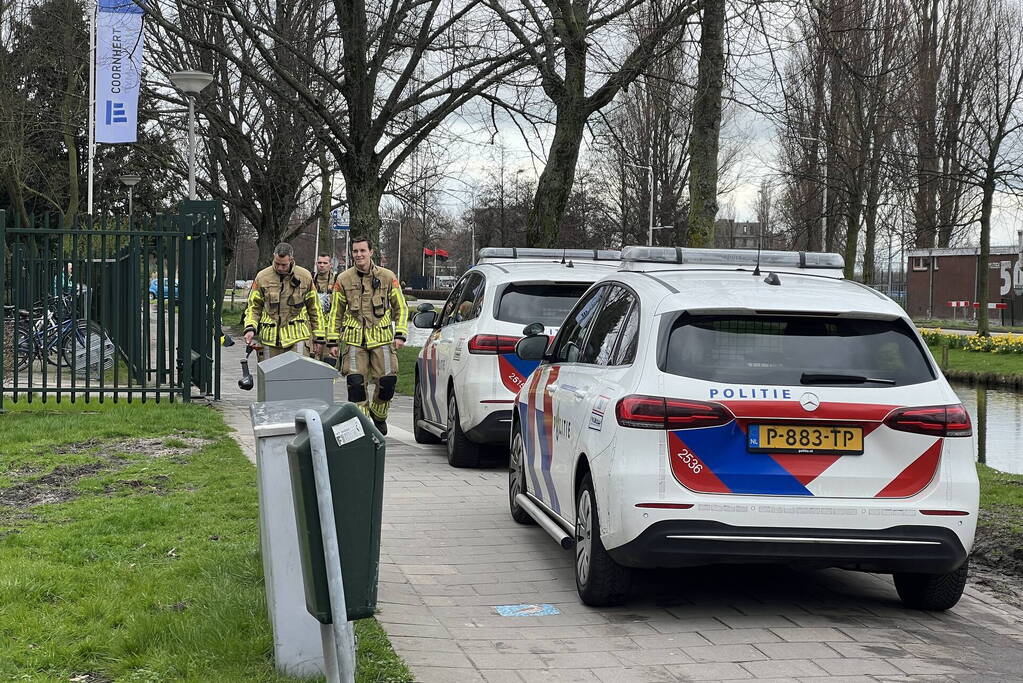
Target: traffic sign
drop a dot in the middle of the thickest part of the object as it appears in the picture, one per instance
(338, 221)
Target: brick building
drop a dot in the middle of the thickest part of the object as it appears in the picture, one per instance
(938, 276)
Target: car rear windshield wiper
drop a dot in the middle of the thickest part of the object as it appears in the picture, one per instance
(831, 378)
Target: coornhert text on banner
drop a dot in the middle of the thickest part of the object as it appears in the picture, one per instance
(119, 40)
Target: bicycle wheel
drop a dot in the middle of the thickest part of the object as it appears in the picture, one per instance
(24, 347)
(54, 345)
(88, 345)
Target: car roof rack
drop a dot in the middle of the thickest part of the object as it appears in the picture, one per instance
(537, 254)
(640, 258)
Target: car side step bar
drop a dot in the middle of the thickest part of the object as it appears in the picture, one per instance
(439, 432)
(545, 522)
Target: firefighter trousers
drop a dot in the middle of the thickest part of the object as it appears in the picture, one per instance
(272, 351)
(362, 367)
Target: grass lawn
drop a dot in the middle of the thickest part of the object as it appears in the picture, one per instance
(407, 369)
(1000, 527)
(980, 362)
(129, 541)
(966, 325)
(232, 313)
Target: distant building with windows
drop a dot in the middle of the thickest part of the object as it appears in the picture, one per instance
(733, 234)
(938, 281)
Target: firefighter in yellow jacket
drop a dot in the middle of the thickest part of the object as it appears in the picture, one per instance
(370, 315)
(323, 280)
(284, 308)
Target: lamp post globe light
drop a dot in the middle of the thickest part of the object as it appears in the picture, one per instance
(191, 84)
(130, 180)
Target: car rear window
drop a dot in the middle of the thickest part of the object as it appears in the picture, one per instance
(546, 303)
(795, 350)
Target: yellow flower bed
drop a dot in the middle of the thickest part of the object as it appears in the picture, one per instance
(1008, 343)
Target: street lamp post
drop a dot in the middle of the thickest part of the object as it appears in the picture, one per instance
(130, 180)
(191, 84)
(650, 185)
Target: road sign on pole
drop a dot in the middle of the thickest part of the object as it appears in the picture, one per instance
(339, 222)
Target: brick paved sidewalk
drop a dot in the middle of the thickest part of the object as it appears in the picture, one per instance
(451, 555)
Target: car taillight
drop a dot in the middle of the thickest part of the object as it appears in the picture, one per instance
(933, 420)
(492, 344)
(655, 412)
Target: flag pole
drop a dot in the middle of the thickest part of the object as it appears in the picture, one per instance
(92, 102)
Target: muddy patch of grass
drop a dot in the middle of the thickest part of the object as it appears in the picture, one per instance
(177, 445)
(998, 547)
(28, 489)
(55, 487)
(998, 542)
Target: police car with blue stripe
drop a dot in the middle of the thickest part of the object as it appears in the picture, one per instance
(708, 406)
(467, 374)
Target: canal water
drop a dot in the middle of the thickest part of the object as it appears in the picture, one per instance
(997, 416)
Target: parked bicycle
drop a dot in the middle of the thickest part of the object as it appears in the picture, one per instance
(51, 334)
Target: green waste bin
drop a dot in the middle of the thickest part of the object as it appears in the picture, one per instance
(355, 461)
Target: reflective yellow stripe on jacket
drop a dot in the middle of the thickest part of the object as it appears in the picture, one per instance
(356, 321)
(283, 313)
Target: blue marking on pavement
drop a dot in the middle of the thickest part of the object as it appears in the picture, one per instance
(542, 610)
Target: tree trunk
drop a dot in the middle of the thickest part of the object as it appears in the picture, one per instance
(703, 147)
(926, 120)
(17, 195)
(364, 194)
(555, 185)
(852, 238)
(326, 245)
(988, 193)
(266, 241)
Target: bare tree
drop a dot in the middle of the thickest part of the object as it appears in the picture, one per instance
(703, 145)
(996, 115)
(566, 44)
(258, 149)
(388, 76)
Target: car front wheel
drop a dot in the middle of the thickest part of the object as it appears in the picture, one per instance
(601, 581)
(421, 435)
(935, 592)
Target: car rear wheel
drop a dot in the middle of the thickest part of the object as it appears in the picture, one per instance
(935, 592)
(461, 451)
(422, 436)
(600, 580)
(517, 479)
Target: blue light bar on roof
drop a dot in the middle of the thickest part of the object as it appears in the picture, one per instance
(537, 253)
(733, 257)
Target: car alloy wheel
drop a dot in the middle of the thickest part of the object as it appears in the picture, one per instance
(517, 480)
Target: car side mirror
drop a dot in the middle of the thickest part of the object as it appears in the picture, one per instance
(425, 319)
(532, 329)
(532, 348)
(424, 307)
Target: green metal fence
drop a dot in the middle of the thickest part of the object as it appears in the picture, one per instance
(111, 309)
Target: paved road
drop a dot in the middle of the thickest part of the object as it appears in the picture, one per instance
(451, 555)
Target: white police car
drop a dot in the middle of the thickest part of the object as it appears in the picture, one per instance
(467, 374)
(693, 410)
